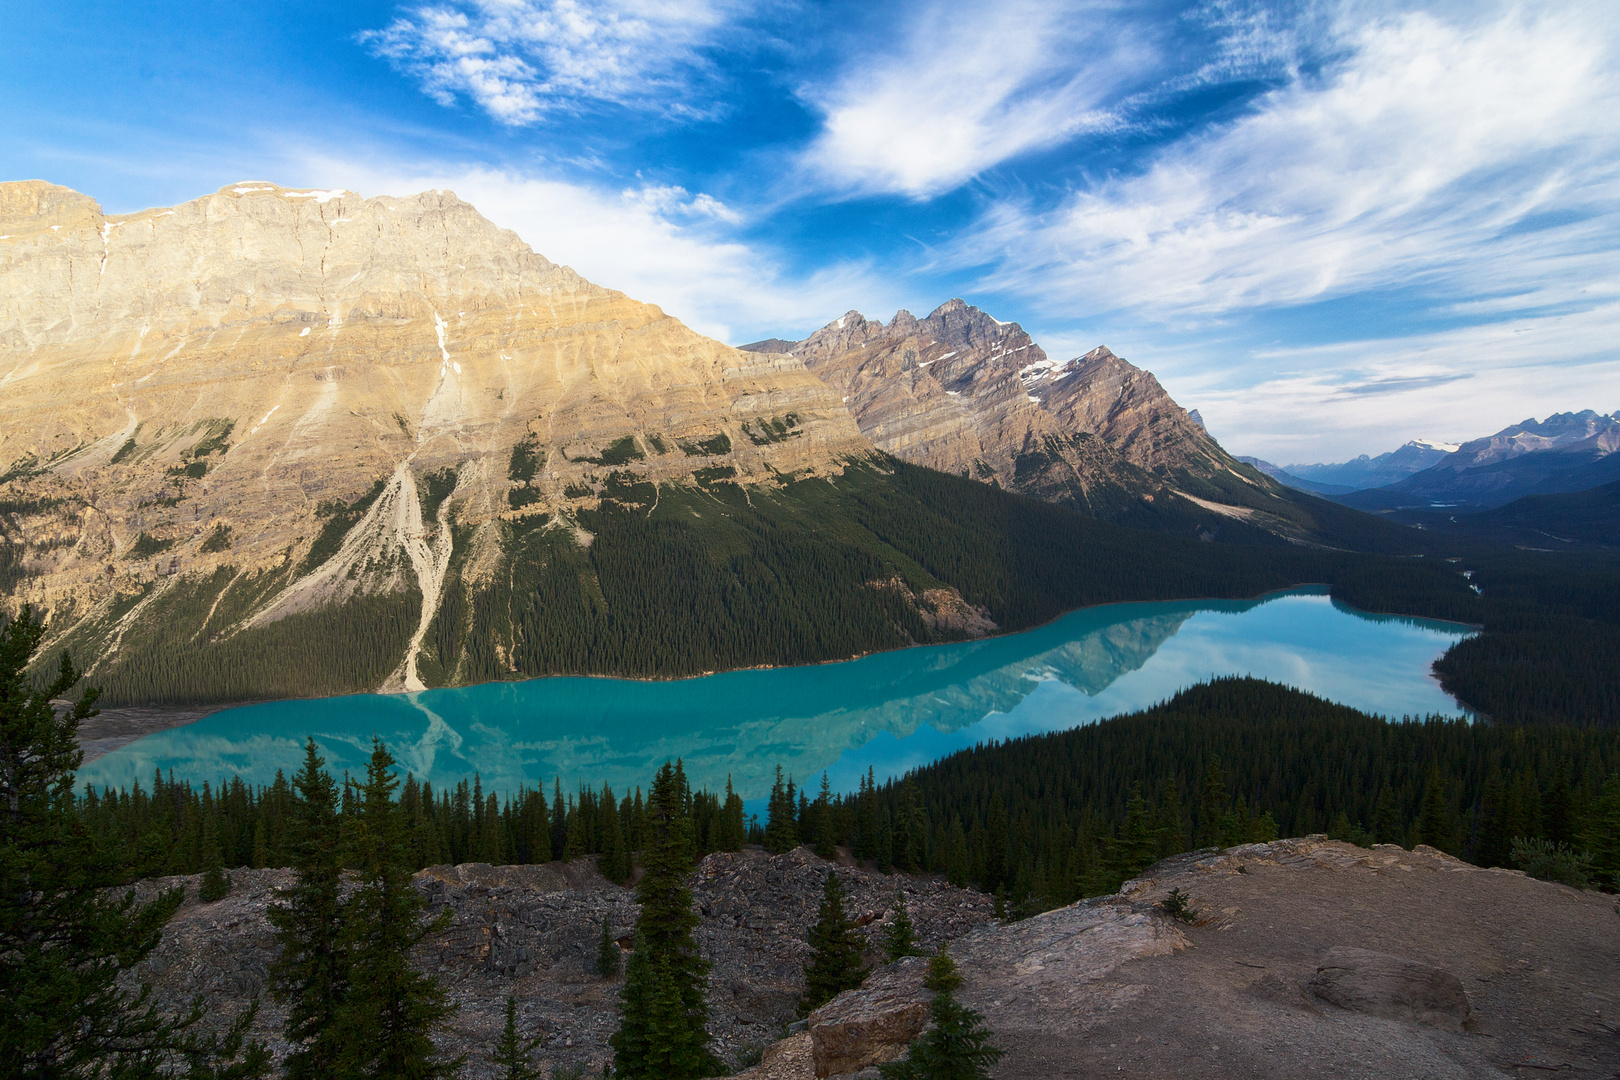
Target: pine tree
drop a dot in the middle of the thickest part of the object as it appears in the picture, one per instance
(1211, 805)
(513, 1056)
(65, 937)
(731, 832)
(900, 938)
(995, 846)
(559, 821)
(956, 1045)
(386, 1020)
(825, 836)
(615, 861)
(1387, 827)
(310, 977)
(781, 832)
(1434, 825)
(216, 884)
(607, 952)
(662, 1032)
(835, 963)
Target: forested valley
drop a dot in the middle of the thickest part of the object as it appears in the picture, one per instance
(1045, 820)
(719, 578)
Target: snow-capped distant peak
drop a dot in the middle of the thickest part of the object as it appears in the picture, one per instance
(1434, 444)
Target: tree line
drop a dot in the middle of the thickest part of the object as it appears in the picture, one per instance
(1044, 819)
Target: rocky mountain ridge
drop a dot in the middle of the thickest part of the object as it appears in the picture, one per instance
(1366, 472)
(324, 397)
(1567, 452)
(963, 392)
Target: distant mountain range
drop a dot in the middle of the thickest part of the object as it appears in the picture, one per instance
(1369, 472)
(1566, 452)
(1530, 483)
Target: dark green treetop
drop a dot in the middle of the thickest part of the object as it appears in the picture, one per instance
(65, 940)
(514, 1055)
(900, 937)
(956, 1045)
(662, 1031)
(386, 1019)
(835, 965)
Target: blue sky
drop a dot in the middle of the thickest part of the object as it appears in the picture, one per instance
(1330, 226)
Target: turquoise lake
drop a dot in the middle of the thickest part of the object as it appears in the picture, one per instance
(890, 711)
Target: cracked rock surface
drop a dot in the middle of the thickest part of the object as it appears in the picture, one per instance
(1308, 956)
(532, 931)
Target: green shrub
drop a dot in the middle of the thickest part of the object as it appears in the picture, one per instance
(1552, 862)
(1178, 906)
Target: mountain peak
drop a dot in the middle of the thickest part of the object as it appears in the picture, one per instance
(215, 377)
(28, 206)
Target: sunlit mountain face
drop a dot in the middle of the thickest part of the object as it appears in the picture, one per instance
(1327, 227)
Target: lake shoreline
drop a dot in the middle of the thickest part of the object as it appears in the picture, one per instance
(949, 687)
(116, 727)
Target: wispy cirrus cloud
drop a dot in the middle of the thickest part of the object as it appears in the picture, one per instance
(962, 87)
(965, 86)
(519, 59)
(1472, 161)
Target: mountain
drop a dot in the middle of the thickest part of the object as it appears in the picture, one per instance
(270, 402)
(1370, 472)
(965, 393)
(1566, 452)
(278, 442)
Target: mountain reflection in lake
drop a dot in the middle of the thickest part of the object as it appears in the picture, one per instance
(889, 712)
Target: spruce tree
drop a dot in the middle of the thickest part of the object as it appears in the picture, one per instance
(1387, 828)
(781, 831)
(1212, 804)
(216, 884)
(662, 1032)
(66, 937)
(826, 835)
(513, 1056)
(607, 951)
(1434, 825)
(899, 937)
(956, 1045)
(615, 861)
(731, 831)
(835, 963)
(310, 977)
(386, 1020)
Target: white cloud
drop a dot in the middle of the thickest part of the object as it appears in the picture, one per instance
(1466, 173)
(969, 85)
(661, 245)
(1411, 163)
(518, 58)
(1331, 402)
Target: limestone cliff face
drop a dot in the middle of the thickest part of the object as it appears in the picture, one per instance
(212, 385)
(965, 393)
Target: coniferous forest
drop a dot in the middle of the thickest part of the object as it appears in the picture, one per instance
(827, 569)
(1046, 819)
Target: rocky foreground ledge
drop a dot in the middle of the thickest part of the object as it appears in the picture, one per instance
(1307, 956)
